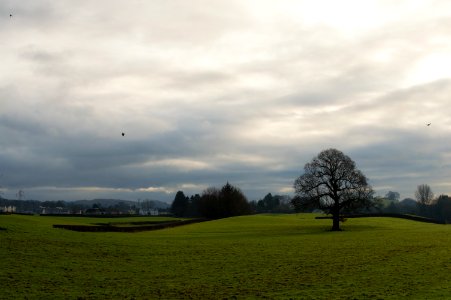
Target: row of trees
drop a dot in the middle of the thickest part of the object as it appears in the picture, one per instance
(272, 204)
(426, 204)
(214, 203)
(184, 206)
(227, 201)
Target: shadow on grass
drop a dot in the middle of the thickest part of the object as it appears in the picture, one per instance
(359, 228)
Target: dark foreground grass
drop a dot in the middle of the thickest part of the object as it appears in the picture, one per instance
(262, 256)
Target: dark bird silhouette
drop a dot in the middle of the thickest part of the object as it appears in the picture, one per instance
(123, 134)
(428, 124)
(10, 15)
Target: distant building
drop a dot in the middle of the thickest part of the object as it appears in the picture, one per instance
(8, 209)
(54, 210)
(149, 212)
(94, 211)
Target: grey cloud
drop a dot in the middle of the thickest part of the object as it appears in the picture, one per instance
(207, 94)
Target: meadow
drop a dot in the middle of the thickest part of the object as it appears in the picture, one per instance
(249, 257)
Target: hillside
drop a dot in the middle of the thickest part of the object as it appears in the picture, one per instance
(260, 256)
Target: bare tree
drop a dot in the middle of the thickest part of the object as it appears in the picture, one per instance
(332, 183)
(424, 194)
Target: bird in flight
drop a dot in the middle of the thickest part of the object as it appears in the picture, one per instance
(428, 124)
(10, 15)
(123, 134)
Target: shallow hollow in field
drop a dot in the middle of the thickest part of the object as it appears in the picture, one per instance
(128, 226)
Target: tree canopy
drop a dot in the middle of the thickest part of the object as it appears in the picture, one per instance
(179, 206)
(226, 202)
(424, 194)
(331, 182)
(393, 196)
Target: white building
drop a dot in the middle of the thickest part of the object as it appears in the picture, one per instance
(149, 212)
(8, 209)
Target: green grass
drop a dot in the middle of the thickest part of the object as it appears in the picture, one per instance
(261, 256)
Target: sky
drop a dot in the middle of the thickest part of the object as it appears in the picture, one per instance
(209, 92)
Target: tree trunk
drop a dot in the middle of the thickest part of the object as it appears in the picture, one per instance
(336, 219)
(336, 222)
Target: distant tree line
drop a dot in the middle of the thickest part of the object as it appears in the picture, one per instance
(225, 202)
(425, 204)
(214, 203)
(272, 204)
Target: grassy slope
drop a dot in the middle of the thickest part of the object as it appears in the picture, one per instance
(276, 256)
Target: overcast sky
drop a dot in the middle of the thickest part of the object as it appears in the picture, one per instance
(213, 91)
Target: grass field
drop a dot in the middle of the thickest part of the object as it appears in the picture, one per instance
(260, 256)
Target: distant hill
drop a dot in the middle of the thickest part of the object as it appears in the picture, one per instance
(111, 202)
